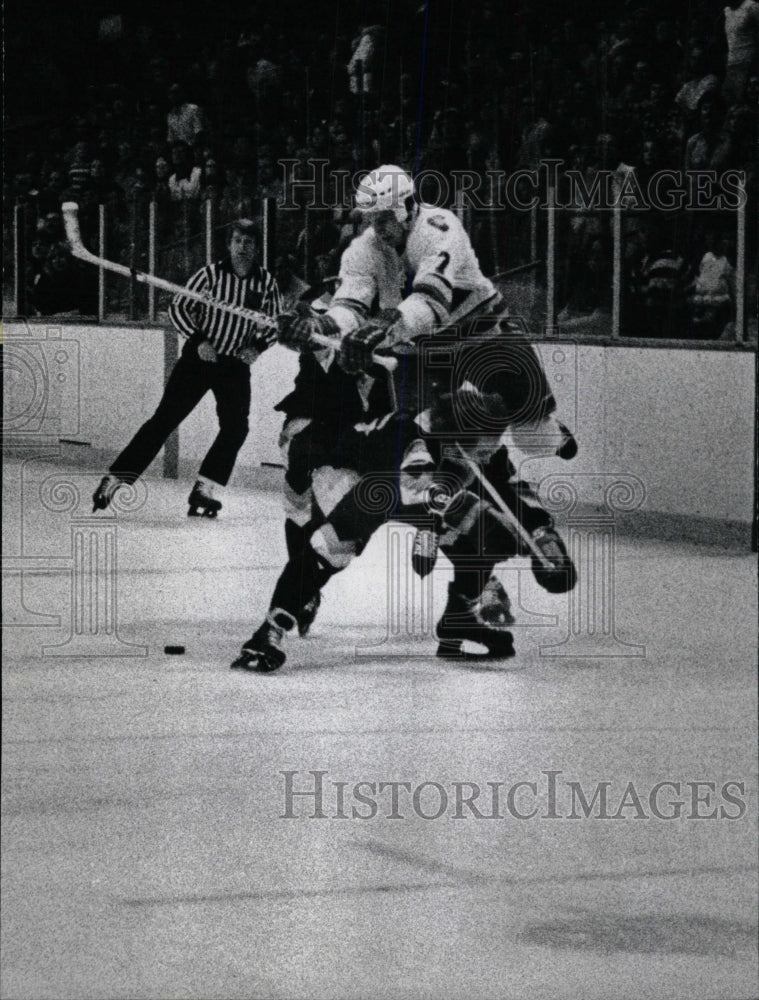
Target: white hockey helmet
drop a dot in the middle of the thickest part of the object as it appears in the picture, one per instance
(387, 187)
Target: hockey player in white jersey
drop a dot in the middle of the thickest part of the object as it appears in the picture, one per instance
(408, 281)
(412, 271)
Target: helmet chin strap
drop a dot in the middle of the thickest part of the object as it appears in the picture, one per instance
(408, 222)
(406, 225)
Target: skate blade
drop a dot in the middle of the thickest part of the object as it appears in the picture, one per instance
(471, 652)
(201, 512)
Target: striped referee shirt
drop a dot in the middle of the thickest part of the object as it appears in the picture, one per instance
(226, 332)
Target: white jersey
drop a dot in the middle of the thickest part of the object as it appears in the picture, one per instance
(434, 283)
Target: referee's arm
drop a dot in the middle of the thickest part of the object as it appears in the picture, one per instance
(272, 301)
(186, 315)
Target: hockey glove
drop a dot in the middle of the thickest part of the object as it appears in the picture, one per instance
(206, 351)
(562, 575)
(248, 355)
(296, 328)
(358, 346)
(424, 551)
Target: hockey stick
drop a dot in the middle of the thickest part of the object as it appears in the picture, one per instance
(70, 213)
(509, 517)
(389, 364)
(517, 270)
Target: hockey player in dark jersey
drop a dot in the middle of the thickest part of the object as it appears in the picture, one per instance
(323, 441)
(447, 294)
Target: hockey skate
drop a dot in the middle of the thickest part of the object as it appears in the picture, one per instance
(201, 503)
(101, 498)
(479, 621)
(307, 615)
(562, 576)
(263, 652)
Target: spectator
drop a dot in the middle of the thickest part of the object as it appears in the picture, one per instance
(742, 36)
(184, 182)
(714, 295)
(650, 160)
(38, 255)
(184, 121)
(664, 52)
(52, 225)
(79, 170)
(51, 194)
(655, 110)
(534, 137)
(239, 183)
(711, 147)
(161, 174)
(663, 285)
(125, 164)
(212, 181)
(106, 191)
(81, 149)
(741, 129)
(264, 82)
(63, 287)
(139, 189)
(700, 82)
(269, 184)
(362, 61)
(637, 90)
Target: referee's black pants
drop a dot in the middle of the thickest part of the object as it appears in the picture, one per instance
(229, 381)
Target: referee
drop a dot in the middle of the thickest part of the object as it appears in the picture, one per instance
(219, 350)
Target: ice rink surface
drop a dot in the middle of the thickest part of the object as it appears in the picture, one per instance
(145, 849)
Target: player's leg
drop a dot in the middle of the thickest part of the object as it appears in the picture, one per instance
(560, 575)
(348, 509)
(304, 449)
(319, 551)
(535, 536)
(474, 421)
(480, 618)
(476, 535)
(478, 610)
(297, 538)
(299, 583)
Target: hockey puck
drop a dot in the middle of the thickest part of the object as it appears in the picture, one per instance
(173, 650)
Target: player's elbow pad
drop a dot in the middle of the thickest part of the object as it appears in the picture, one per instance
(418, 316)
(436, 289)
(347, 317)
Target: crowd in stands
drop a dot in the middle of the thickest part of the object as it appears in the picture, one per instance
(184, 109)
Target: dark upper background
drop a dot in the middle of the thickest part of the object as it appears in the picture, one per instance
(461, 85)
